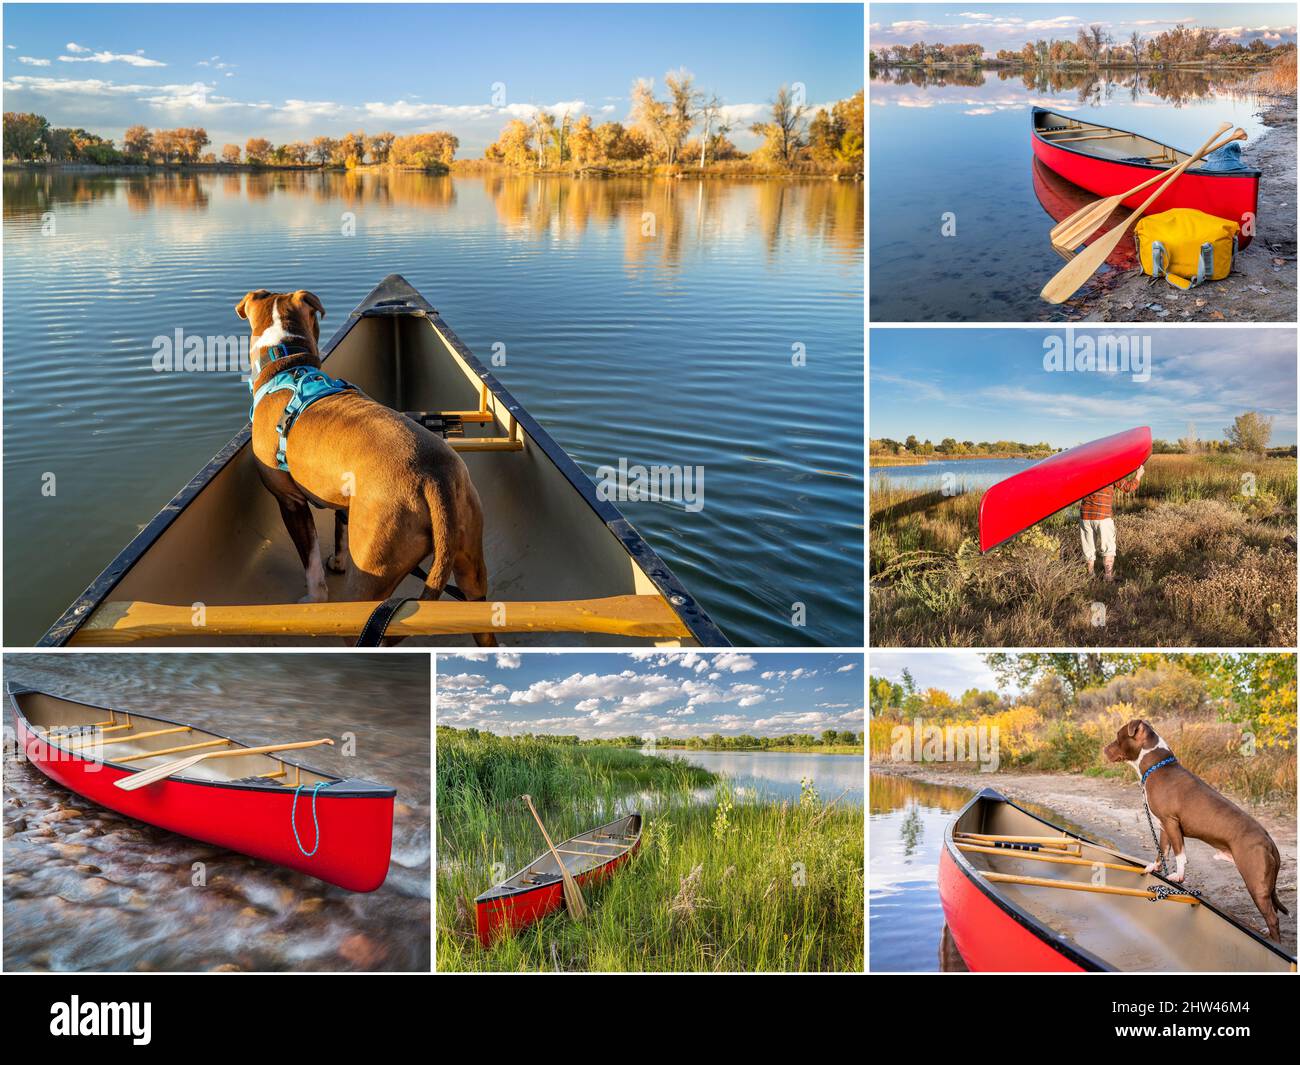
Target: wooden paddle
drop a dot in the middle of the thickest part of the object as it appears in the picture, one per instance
(151, 776)
(572, 893)
(1069, 233)
(1067, 280)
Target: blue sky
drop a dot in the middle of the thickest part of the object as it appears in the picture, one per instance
(287, 71)
(1011, 25)
(664, 694)
(990, 384)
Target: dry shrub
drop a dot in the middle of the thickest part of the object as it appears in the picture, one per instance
(1247, 600)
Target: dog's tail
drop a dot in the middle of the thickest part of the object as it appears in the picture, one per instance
(439, 518)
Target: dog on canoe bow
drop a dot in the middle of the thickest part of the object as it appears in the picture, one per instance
(398, 491)
(1186, 806)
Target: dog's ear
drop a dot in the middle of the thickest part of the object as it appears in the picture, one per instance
(1134, 727)
(241, 308)
(311, 299)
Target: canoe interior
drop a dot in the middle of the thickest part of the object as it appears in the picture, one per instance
(45, 712)
(543, 540)
(1129, 934)
(611, 841)
(1129, 147)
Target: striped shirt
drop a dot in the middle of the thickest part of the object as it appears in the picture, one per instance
(1101, 504)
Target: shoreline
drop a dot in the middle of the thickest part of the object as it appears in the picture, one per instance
(1262, 284)
(1111, 811)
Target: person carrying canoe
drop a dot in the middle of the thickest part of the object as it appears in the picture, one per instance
(1097, 523)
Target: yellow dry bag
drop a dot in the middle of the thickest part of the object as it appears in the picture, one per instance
(1185, 246)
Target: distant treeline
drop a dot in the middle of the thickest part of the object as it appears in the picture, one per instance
(1093, 46)
(795, 139)
(949, 446)
(716, 742)
(29, 138)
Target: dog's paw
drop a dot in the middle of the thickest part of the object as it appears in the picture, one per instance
(337, 563)
(318, 597)
(1177, 878)
(1151, 868)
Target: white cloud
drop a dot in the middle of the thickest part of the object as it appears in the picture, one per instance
(509, 661)
(730, 662)
(32, 62)
(847, 669)
(82, 54)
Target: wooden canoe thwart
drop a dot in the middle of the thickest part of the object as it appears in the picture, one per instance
(1023, 895)
(564, 566)
(644, 616)
(538, 889)
(261, 804)
(1108, 161)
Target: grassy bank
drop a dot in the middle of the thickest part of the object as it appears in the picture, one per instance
(923, 460)
(716, 885)
(1206, 557)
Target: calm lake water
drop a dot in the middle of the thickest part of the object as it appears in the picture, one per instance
(906, 825)
(777, 776)
(957, 474)
(674, 348)
(72, 866)
(960, 143)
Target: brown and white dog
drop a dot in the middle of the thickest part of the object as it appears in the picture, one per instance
(406, 493)
(1186, 806)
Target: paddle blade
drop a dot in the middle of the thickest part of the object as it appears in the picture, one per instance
(573, 901)
(1070, 278)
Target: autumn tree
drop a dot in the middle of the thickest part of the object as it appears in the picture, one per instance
(715, 123)
(514, 147)
(428, 151)
(379, 146)
(584, 145)
(835, 137)
(298, 152)
(257, 150)
(137, 144)
(667, 122)
(230, 153)
(350, 150)
(784, 133)
(322, 150)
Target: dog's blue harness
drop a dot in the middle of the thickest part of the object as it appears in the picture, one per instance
(307, 384)
(1159, 765)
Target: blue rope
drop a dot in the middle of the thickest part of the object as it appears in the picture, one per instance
(293, 816)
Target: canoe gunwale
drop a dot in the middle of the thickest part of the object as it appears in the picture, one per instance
(395, 297)
(360, 789)
(1244, 172)
(500, 891)
(1065, 947)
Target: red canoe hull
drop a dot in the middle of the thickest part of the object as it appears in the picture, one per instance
(990, 939)
(500, 916)
(356, 833)
(1234, 196)
(1012, 506)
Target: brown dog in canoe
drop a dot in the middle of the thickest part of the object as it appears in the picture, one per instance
(406, 494)
(1186, 806)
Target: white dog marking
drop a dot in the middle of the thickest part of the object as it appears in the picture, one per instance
(1142, 754)
(317, 592)
(275, 333)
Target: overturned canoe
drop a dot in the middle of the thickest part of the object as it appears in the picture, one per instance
(1105, 160)
(1012, 505)
(1021, 894)
(335, 829)
(538, 889)
(216, 565)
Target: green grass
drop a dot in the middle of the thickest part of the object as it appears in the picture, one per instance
(720, 885)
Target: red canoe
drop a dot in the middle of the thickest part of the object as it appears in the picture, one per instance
(341, 830)
(1026, 498)
(538, 889)
(1058, 921)
(1105, 160)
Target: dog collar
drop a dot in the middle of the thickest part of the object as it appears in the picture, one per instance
(272, 352)
(1159, 765)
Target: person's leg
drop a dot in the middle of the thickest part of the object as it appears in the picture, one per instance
(1086, 542)
(1106, 535)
